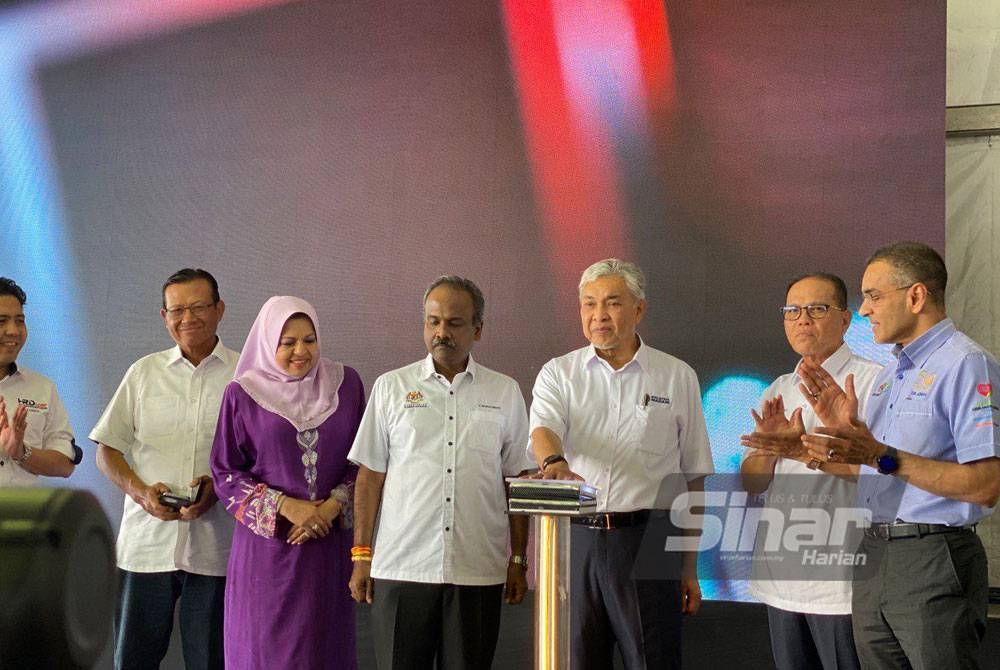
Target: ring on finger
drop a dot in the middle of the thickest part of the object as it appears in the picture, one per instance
(831, 453)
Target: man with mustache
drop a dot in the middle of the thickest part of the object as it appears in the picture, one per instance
(628, 419)
(437, 439)
(35, 435)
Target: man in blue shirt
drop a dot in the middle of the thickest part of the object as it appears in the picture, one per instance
(929, 468)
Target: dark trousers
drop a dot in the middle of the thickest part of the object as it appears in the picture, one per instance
(609, 607)
(921, 602)
(810, 641)
(414, 623)
(146, 618)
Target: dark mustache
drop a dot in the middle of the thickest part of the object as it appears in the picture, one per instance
(443, 342)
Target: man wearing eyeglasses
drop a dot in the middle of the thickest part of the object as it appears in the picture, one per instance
(154, 441)
(929, 451)
(809, 619)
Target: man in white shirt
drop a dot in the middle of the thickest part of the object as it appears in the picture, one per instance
(810, 620)
(437, 439)
(35, 435)
(624, 417)
(154, 438)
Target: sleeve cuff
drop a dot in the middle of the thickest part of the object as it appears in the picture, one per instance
(344, 494)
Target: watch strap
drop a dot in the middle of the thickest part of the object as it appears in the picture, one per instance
(888, 462)
(552, 458)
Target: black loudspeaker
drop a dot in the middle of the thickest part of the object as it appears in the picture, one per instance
(58, 584)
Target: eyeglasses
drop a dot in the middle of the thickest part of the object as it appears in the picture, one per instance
(819, 311)
(873, 296)
(197, 311)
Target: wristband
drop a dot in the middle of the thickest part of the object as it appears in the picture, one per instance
(554, 458)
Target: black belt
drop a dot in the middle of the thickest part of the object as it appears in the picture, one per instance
(610, 520)
(900, 531)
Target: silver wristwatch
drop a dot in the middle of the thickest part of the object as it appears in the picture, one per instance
(519, 560)
(24, 456)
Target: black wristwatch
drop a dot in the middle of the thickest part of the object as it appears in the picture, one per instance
(888, 462)
(554, 458)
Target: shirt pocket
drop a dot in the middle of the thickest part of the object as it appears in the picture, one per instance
(915, 409)
(657, 433)
(211, 402)
(34, 434)
(402, 441)
(157, 416)
(913, 423)
(485, 431)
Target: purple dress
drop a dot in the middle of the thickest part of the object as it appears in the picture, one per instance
(287, 606)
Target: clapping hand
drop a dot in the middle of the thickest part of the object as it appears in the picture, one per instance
(776, 433)
(833, 405)
(12, 431)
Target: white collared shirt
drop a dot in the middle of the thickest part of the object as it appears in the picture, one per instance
(48, 423)
(625, 430)
(163, 418)
(445, 448)
(829, 596)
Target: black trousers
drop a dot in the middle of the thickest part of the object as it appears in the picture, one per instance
(610, 608)
(414, 624)
(811, 641)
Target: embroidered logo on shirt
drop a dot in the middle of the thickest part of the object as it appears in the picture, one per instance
(415, 399)
(984, 389)
(31, 404)
(493, 407)
(882, 388)
(659, 399)
(924, 382)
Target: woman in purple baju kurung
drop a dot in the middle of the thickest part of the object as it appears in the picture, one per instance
(279, 462)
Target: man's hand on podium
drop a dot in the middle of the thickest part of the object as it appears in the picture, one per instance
(560, 470)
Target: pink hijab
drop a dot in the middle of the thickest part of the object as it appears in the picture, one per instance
(305, 401)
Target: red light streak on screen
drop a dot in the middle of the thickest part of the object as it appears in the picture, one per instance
(588, 74)
(656, 57)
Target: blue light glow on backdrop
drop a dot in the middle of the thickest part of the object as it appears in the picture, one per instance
(727, 405)
(37, 248)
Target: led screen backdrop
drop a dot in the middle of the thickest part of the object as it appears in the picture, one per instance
(349, 152)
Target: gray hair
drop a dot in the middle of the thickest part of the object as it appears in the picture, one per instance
(462, 284)
(614, 267)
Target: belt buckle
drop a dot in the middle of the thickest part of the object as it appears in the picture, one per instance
(883, 531)
(600, 521)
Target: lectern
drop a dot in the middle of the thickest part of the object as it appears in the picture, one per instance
(552, 503)
(551, 591)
